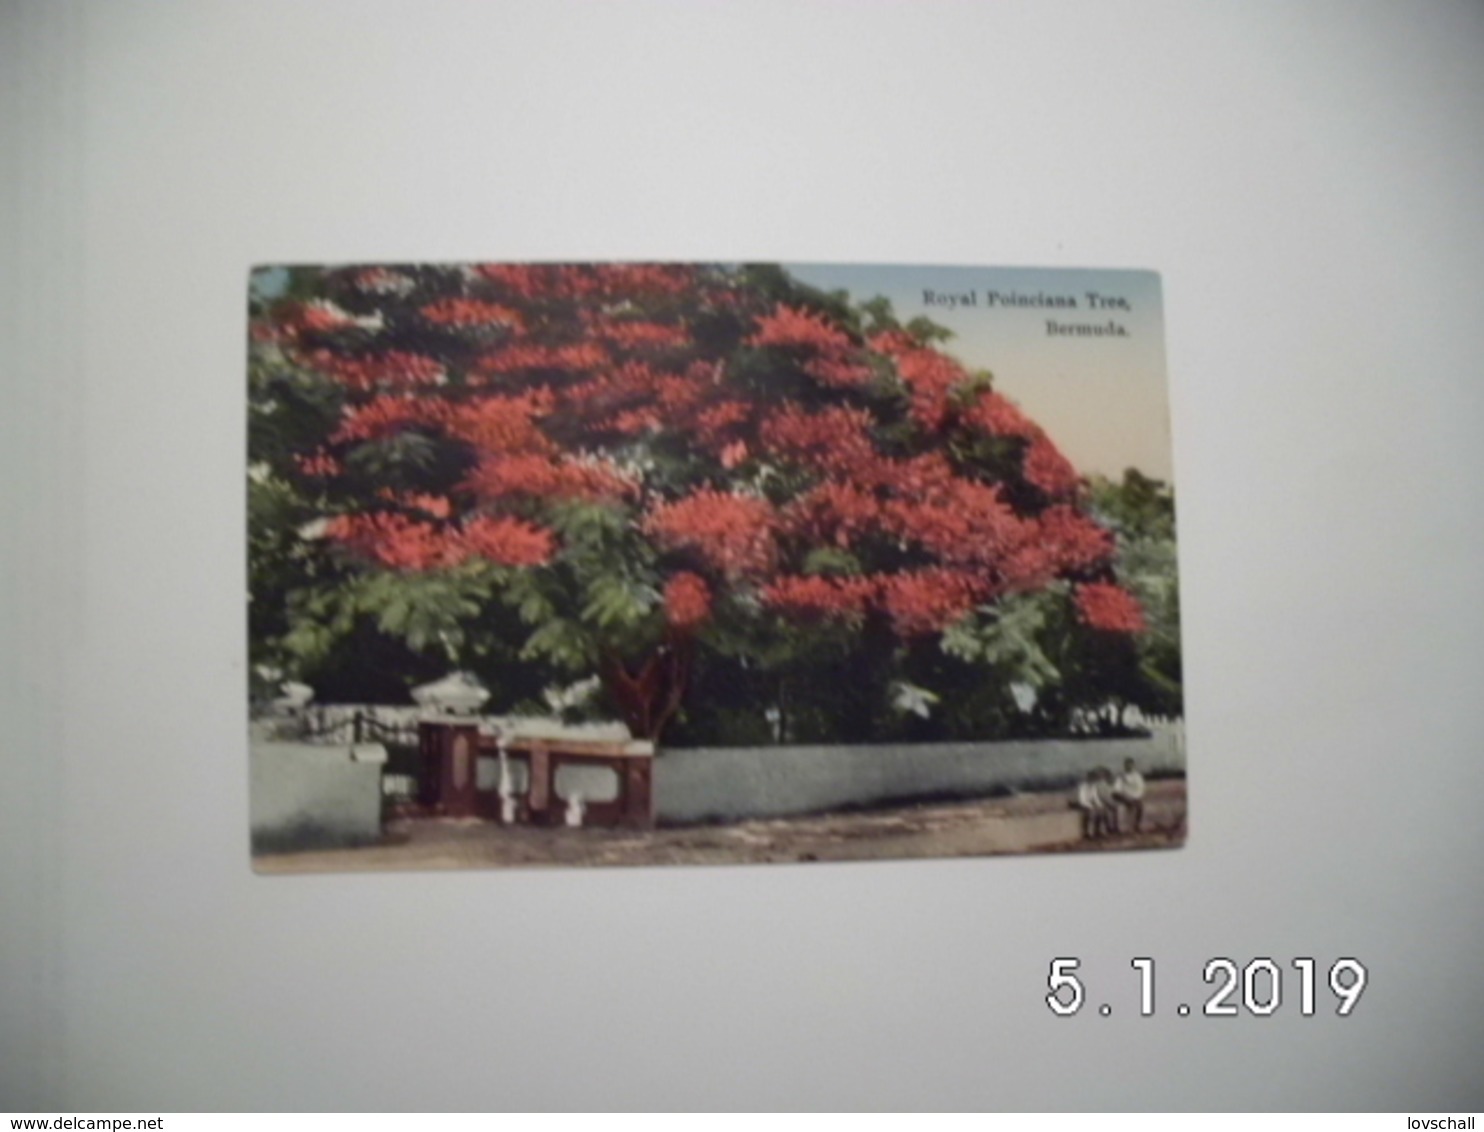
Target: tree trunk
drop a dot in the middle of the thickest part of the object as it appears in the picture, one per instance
(649, 698)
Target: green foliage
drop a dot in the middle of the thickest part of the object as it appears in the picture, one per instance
(425, 610)
(1008, 636)
(831, 560)
(1141, 512)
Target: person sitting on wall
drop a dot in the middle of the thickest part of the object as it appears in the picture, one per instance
(1089, 802)
(1128, 794)
(1107, 805)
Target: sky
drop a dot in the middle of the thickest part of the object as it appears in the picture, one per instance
(1103, 400)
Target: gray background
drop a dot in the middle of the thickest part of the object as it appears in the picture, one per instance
(1306, 177)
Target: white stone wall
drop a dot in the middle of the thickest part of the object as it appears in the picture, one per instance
(306, 796)
(708, 783)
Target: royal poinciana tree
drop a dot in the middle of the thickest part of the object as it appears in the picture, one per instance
(714, 489)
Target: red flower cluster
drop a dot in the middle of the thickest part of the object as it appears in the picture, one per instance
(502, 424)
(833, 441)
(381, 281)
(318, 463)
(790, 327)
(318, 317)
(834, 358)
(999, 416)
(635, 397)
(1058, 541)
(633, 422)
(548, 399)
(400, 542)
(436, 506)
(961, 523)
(506, 541)
(386, 414)
(929, 376)
(687, 601)
(392, 539)
(589, 281)
(917, 478)
(813, 597)
(714, 422)
(528, 355)
(734, 454)
(1102, 605)
(921, 602)
(471, 312)
(1046, 468)
(1043, 464)
(832, 512)
(733, 534)
(628, 334)
(841, 372)
(543, 477)
(390, 368)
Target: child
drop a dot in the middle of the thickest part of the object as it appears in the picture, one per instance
(1128, 793)
(1089, 802)
(1107, 821)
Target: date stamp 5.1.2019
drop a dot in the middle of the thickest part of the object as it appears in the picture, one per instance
(1256, 987)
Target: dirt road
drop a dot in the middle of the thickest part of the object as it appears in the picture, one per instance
(1020, 824)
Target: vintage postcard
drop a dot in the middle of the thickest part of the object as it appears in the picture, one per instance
(660, 563)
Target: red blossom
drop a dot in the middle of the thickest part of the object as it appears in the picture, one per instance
(1048, 469)
(390, 368)
(535, 281)
(733, 534)
(715, 422)
(401, 542)
(635, 335)
(1058, 541)
(687, 601)
(790, 327)
(321, 316)
(634, 396)
(930, 376)
(393, 540)
(999, 416)
(926, 601)
(534, 355)
(471, 313)
(505, 541)
(815, 597)
(381, 281)
(833, 512)
(839, 372)
(834, 440)
(1110, 608)
(384, 415)
(543, 477)
(962, 522)
(640, 280)
(504, 424)
(526, 280)
(319, 464)
(437, 506)
(925, 477)
(633, 422)
(834, 357)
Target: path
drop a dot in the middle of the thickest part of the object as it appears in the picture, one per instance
(1024, 823)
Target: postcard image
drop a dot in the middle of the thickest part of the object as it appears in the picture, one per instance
(573, 564)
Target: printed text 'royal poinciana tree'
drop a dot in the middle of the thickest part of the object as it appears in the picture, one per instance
(658, 473)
